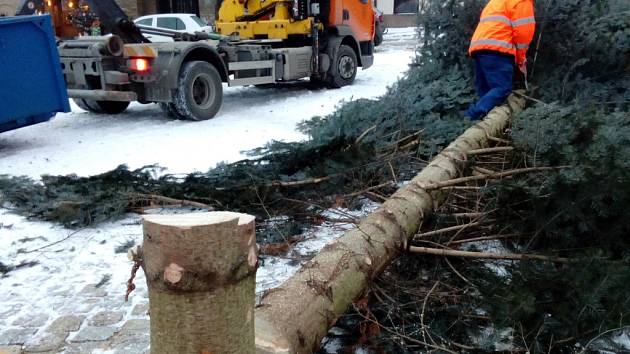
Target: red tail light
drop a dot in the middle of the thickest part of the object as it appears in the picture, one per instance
(139, 64)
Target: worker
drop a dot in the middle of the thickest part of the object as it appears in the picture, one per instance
(501, 40)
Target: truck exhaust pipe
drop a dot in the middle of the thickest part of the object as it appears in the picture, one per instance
(115, 46)
(110, 45)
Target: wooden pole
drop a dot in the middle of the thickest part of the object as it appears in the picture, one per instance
(201, 275)
(297, 315)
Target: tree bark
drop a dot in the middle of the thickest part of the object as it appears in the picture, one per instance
(201, 275)
(297, 315)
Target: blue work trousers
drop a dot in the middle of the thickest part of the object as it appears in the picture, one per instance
(493, 81)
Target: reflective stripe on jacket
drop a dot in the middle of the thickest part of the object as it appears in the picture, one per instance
(505, 26)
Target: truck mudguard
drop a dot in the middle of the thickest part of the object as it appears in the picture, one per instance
(345, 36)
(172, 55)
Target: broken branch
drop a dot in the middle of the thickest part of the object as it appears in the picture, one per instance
(483, 238)
(486, 255)
(490, 150)
(445, 230)
(173, 201)
(497, 175)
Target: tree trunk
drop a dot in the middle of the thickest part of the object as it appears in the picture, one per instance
(201, 275)
(297, 315)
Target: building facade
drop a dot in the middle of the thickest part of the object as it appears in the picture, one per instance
(136, 8)
(8, 7)
(399, 13)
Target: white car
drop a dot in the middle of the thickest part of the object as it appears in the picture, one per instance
(188, 23)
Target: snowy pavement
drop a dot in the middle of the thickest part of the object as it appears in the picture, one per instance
(68, 296)
(86, 144)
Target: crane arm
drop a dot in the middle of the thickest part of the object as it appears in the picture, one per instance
(114, 20)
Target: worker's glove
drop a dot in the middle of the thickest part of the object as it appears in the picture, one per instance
(522, 67)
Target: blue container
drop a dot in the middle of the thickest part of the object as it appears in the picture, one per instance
(32, 88)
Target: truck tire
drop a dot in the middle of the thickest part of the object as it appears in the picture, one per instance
(103, 107)
(343, 68)
(318, 82)
(199, 91)
(112, 107)
(170, 110)
(87, 105)
(378, 34)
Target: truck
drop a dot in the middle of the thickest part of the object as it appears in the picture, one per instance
(257, 42)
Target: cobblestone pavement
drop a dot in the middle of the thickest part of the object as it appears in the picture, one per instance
(72, 299)
(91, 321)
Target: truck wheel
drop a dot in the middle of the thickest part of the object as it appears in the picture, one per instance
(170, 110)
(87, 105)
(343, 69)
(318, 82)
(112, 107)
(199, 92)
(106, 107)
(378, 34)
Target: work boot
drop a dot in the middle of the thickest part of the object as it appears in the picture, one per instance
(467, 115)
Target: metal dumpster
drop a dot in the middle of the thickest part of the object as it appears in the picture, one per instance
(32, 88)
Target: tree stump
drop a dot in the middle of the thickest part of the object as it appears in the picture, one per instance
(201, 274)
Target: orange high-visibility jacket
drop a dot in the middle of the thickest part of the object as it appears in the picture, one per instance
(506, 26)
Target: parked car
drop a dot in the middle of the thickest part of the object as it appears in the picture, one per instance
(379, 27)
(185, 23)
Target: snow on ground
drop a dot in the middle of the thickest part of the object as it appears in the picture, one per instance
(69, 263)
(88, 144)
(275, 270)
